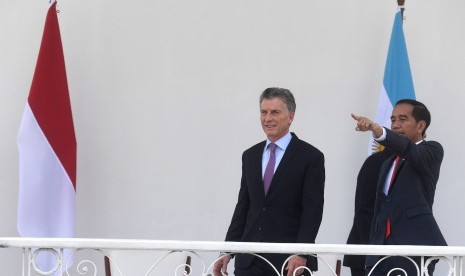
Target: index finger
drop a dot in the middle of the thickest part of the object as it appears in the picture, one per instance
(355, 116)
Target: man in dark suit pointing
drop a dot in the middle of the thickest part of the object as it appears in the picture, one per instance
(403, 212)
(281, 194)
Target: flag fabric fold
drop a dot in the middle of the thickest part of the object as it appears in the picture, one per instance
(47, 147)
(397, 81)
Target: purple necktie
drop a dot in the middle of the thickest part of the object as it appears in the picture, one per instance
(269, 171)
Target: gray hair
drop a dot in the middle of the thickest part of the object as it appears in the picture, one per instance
(282, 93)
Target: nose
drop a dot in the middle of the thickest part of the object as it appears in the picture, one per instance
(394, 124)
(267, 117)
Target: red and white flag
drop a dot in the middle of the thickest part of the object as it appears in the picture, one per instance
(47, 147)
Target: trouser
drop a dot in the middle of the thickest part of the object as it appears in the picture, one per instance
(357, 271)
(259, 267)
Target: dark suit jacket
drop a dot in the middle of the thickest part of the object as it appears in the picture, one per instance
(292, 210)
(409, 202)
(365, 194)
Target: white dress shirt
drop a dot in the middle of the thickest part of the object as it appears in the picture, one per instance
(281, 146)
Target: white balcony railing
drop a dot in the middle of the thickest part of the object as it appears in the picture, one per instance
(89, 255)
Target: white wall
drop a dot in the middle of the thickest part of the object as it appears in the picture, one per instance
(165, 99)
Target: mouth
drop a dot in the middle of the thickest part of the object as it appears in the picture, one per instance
(270, 126)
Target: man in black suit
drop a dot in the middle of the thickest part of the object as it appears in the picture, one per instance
(403, 212)
(290, 209)
(365, 194)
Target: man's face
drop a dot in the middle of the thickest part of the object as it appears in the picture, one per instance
(403, 123)
(275, 118)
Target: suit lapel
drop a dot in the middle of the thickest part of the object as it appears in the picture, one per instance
(385, 171)
(398, 171)
(384, 174)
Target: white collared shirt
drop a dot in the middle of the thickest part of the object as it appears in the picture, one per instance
(281, 146)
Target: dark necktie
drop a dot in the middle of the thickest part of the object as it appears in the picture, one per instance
(269, 171)
(394, 171)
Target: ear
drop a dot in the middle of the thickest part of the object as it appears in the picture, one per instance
(291, 116)
(421, 126)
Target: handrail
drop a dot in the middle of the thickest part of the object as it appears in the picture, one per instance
(232, 247)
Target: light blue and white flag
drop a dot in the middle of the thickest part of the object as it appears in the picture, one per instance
(397, 82)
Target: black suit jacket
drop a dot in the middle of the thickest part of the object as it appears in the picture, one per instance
(292, 210)
(409, 202)
(365, 194)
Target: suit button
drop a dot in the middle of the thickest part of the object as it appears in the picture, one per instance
(259, 229)
(264, 209)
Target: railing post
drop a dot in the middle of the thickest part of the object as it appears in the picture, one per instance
(458, 265)
(62, 260)
(422, 266)
(23, 261)
(29, 261)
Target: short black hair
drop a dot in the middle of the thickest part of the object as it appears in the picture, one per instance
(420, 112)
(282, 93)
